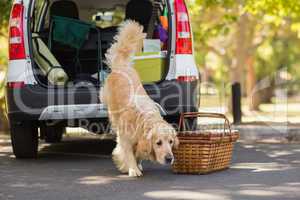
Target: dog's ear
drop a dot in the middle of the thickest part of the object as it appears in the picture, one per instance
(144, 147)
(176, 143)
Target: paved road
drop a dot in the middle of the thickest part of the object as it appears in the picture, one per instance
(80, 169)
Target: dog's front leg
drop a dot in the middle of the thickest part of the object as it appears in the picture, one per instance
(125, 159)
(134, 170)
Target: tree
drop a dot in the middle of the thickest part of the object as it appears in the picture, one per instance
(234, 30)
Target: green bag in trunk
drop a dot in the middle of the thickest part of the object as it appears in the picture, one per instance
(70, 31)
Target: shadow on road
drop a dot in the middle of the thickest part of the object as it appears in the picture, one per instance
(88, 147)
(82, 169)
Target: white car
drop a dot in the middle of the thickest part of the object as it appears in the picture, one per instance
(57, 64)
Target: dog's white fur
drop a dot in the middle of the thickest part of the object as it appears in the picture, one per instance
(142, 134)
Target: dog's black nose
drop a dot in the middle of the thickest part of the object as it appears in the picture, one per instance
(168, 159)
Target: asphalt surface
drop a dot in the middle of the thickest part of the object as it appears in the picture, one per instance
(82, 169)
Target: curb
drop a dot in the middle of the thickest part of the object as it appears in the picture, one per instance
(261, 133)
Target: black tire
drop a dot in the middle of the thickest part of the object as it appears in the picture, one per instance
(24, 137)
(190, 123)
(52, 134)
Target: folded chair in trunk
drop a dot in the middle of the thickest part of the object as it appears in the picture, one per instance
(48, 64)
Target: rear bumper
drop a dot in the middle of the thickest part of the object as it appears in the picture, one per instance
(34, 102)
(175, 97)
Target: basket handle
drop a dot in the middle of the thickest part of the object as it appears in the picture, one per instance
(186, 115)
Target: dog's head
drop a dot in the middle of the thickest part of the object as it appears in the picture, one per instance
(159, 143)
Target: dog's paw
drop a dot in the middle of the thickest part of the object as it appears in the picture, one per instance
(134, 172)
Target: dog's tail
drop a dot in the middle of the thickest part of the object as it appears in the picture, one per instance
(127, 42)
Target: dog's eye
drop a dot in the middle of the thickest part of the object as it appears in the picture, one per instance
(159, 143)
(171, 141)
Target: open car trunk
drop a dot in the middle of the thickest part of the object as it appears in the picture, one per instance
(70, 39)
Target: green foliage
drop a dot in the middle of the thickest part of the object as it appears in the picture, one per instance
(274, 27)
(5, 6)
(280, 8)
(211, 3)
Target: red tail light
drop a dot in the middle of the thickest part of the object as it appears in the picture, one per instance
(183, 29)
(187, 78)
(16, 34)
(15, 85)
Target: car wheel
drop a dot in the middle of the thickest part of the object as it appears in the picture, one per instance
(24, 137)
(52, 134)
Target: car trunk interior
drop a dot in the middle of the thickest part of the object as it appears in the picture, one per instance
(70, 39)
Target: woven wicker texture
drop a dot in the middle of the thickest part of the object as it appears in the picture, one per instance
(202, 152)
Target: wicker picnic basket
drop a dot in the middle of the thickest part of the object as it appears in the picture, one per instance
(204, 151)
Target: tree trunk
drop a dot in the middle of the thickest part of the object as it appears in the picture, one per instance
(267, 93)
(243, 42)
(241, 50)
(253, 96)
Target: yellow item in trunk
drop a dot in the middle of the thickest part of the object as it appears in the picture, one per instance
(150, 66)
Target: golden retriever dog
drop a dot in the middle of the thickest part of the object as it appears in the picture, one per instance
(142, 134)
